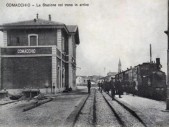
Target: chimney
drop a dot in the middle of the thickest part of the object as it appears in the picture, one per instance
(49, 17)
(37, 16)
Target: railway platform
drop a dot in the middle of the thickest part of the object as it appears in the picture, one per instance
(152, 112)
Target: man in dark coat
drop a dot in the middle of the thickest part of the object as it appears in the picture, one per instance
(112, 87)
(119, 88)
(88, 85)
(127, 87)
(99, 84)
(107, 87)
(116, 86)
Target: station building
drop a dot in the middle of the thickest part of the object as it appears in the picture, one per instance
(38, 54)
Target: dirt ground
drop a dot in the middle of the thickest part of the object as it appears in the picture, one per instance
(50, 114)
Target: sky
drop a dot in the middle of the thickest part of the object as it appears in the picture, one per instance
(109, 30)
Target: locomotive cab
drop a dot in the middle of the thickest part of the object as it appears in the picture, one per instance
(159, 84)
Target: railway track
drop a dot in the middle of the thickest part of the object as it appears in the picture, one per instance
(100, 110)
(10, 102)
(24, 105)
(126, 117)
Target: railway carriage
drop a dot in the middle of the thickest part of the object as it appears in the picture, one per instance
(149, 80)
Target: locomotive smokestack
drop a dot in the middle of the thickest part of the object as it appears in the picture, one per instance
(158, 63)
(50, 17)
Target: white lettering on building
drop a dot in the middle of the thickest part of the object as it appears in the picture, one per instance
(26, 51)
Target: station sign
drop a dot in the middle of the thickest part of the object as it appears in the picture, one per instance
(26, 50)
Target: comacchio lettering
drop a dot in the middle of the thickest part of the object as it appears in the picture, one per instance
(25, 51)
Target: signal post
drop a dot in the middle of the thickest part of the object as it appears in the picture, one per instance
(167, 32)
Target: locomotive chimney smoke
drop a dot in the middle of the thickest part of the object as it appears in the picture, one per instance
(150, 54)
(49, 17)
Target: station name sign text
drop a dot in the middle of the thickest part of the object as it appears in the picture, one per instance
(26, 51)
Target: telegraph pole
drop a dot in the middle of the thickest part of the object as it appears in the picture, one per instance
(150, 54)
(167, 32)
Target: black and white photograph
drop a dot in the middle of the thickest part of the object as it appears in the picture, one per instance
(84, 63)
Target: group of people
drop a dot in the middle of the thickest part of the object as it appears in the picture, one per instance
(116, 87)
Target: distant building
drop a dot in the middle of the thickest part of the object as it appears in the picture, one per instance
(94, 78)
(81, 80)
(111, 73)
(38, 54)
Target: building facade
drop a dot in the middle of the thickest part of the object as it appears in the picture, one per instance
(38, 54)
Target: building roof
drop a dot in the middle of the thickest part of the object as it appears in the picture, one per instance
(41, 23)
(72, 28)
(33, 22)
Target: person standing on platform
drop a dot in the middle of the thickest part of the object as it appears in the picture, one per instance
(112, 86)
(119, 88)
(99, 84)
(116, 86)
(88, 85)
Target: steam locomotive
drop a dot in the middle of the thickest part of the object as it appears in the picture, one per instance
(148, 78)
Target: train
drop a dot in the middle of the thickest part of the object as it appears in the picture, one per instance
(148, 78)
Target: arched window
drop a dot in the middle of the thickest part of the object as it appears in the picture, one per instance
(33, 40)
